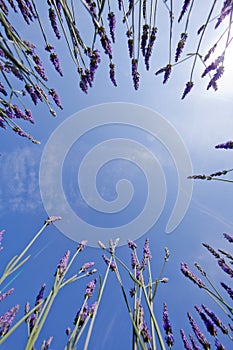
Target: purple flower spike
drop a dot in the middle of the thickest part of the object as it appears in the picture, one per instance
(52, 219)
(209, 325)
(111, 264)
(92, 308)
(180, 46)
(87, 266)
(105, 42)
(146, 250)
(131, 244)
(226, 10)
(228, 237)
(211, 250)
(61, 268)
(145, 332)
(194, 344)
(167, 73)
(82, 245)
(217, 75)
(55, 97)
(39, 298)
(167, 327)
(144, 38)
(225, 267)
(112, 25)
(46, 344)
(228, 289)
(218, 345)
(185, 270)
(135, 73)
(6, 294)
(150, 47)
(201, 338)
(215, 319)
(184, 9)
(134, 261)
(112, 73)
(90, 288)
(2, 89)
(226, 145)
(32, 93)
(187, 346)
(7, 319)
(81, 316)
(52, 17)
(55, 61)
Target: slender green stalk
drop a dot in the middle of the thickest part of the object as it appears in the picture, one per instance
(17, 261)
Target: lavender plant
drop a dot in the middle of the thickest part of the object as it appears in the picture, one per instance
(23, 72)
(213, 324)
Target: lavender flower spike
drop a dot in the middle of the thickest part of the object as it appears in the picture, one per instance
(228, 289)
(61, 268)
(228, 237)
(86, 266)
(52, 219)
(111, 264)
(131, 244)
(90, 288)
(185, 270)
(167, 327)
(6, 294)
(7, 319)
(82, 245)
(201, 338)
(187, 346)
(226, 145)
(209, 325)
(215, 319)
(187, 89)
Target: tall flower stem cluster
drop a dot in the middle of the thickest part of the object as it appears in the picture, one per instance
(146, 331)
(213, 324)
(23, 73)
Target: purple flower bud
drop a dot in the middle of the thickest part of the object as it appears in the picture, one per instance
(68, 331)
(105, 42)
(145, 332)
(112, 73)
(130, 47)
(86, 266)
(6, 294)
(228, 237)
(131, 244)
(90, 288)
(226, 10)
(213, 65)
(146, 250)
(2, 89)
(211, 250)
(184, 9)
(55, 97)
(167, 73)
(201, 338)
(209, 325)
(166, 322)
(52, 219)
(228, 289)
(194, 344)
(111, 264)
(82, 245)
(144, 38)
(52, 17)
(150, 47)
(180, 46)
(92, 308)
(226, 145)
(215, 319)
(39, 298)
(81, 316)
(46, 344)
(217, 75)
(225, 267)
(32, 93)
(61, 267)
(112, 25)
(134, 261)
(218, 345)
(185, 270)
(55, 61)
(135, 73)
(6, 319)
(187, 346)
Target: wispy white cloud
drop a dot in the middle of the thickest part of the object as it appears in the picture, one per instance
(19, 179)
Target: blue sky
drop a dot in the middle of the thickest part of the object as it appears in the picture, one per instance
(202, 120)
